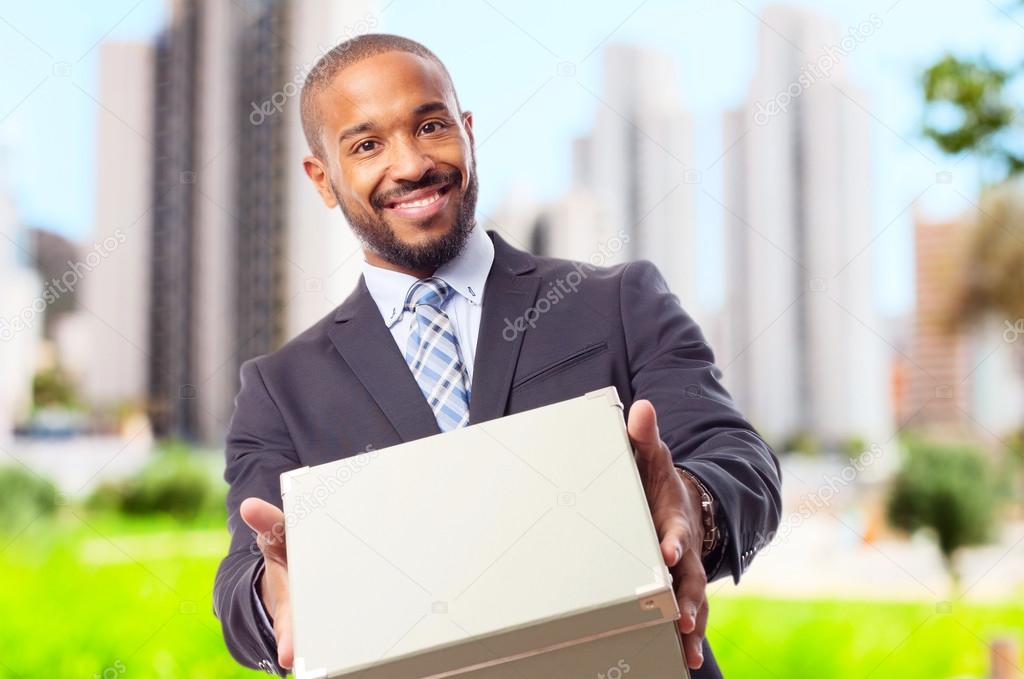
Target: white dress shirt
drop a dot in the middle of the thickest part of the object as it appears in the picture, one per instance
(466, 274)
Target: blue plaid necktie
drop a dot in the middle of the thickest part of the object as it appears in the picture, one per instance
(433, 355)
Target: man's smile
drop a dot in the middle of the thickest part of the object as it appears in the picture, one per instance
(421, 204)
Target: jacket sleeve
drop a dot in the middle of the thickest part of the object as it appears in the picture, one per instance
(672, 366)
(259, 449)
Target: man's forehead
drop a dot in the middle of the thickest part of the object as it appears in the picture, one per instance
(382, 86)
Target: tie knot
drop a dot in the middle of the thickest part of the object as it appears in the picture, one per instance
(431, 291)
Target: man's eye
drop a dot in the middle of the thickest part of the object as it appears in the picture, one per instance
(365, 146)
(433, 126)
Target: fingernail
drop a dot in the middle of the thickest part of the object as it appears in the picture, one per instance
(679, 553)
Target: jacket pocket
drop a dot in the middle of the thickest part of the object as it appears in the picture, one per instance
(562, 363)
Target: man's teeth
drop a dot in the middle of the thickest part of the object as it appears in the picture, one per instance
(420, 203)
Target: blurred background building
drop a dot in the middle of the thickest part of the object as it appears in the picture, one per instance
(631, 193)
(959, 380)
(638, 164)
(227, 255)
(240, 265)
(797, 203)
(21, 312)
(104, 343)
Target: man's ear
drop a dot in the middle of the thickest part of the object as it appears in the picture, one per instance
(317, 174)
(467, 122)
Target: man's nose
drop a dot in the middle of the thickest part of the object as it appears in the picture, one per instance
(409, 162)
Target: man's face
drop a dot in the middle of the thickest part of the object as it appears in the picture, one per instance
(400, 160)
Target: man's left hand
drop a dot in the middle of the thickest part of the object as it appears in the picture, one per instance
(674, 502)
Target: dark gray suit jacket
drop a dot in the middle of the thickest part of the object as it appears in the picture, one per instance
(551, 329)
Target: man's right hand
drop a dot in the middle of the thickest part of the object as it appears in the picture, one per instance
(268, 523)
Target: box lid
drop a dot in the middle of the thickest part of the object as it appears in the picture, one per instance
(474, 547)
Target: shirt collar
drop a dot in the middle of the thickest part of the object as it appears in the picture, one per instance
(466, 274)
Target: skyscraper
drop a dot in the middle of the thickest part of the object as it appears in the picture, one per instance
(244, 256)
(963, 379)
(638, 165)
(21, 313)
(939, 357)
(172, 283)
(804, 353)
(104, 340)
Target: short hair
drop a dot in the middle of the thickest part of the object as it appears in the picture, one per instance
(345, 54)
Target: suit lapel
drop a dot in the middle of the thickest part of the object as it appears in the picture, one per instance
(365, 342)
(507, 297)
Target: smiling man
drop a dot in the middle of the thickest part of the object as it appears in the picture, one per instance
(412, 209)
(421, 346)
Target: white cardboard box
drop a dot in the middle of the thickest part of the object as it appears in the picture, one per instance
(519, 548)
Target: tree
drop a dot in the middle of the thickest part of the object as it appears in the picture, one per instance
(970, 109)
(950, 490)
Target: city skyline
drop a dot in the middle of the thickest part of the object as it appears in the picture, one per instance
(887, 69)
(230, 257)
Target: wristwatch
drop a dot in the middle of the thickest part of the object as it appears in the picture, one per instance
(707, 514)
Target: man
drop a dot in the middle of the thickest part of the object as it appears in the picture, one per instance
(445, 329)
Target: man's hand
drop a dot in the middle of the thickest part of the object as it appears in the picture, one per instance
(675, 507)
(268, 523)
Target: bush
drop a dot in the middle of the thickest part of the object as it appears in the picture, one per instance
(950, 489)
(853, 446)
(173, 482)
(802, 442)
(1015, 462)
(53, 388)
(23, 497)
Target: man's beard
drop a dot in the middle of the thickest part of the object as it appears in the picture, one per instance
(378, 237)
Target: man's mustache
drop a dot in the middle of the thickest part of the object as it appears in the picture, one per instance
(430, 180)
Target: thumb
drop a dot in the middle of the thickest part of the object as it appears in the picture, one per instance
(264, 518)
(283, 632)
(643, 429)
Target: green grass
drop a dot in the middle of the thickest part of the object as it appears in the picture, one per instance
(754, 637)
(114, 597)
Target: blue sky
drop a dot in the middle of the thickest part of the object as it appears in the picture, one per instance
(501, 55)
